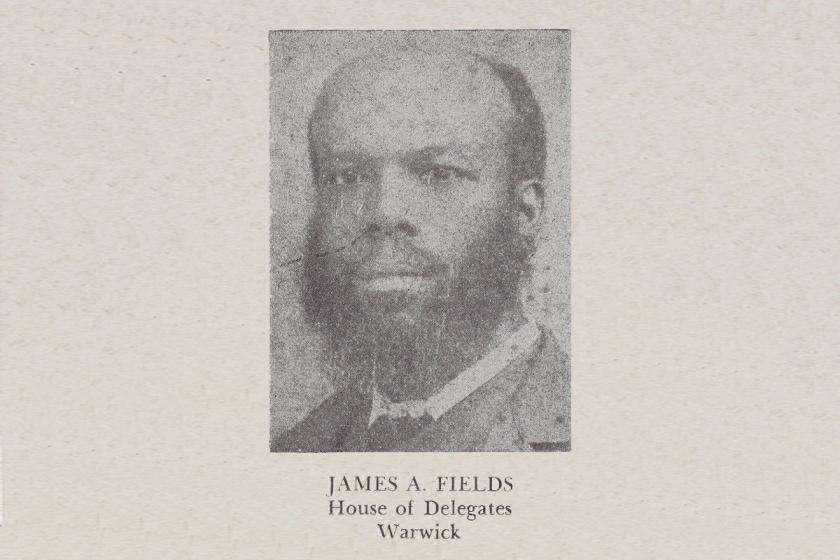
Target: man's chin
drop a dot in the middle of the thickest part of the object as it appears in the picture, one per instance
(392, 313)
(383, 318)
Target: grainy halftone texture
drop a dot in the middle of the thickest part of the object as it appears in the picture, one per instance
(300, 63)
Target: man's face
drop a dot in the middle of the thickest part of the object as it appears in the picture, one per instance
(416, 217)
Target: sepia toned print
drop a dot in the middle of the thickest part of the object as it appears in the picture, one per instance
(427, 170)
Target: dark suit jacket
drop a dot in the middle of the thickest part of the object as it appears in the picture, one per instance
(525, 407)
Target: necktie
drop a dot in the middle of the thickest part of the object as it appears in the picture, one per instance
(387, 432)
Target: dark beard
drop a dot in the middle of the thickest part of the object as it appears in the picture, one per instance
(414, 343)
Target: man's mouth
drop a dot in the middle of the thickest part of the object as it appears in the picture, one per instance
(392, 276)
(395, 283)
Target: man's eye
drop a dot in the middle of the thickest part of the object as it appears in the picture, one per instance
(346, 178)
(442, 174)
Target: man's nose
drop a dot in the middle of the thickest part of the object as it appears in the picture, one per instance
(390, 202)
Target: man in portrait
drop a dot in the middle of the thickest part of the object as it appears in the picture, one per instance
(428, 170)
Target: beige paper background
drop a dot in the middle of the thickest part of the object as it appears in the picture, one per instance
(135, 216)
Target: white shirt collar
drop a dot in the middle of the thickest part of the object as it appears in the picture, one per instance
(459, 388)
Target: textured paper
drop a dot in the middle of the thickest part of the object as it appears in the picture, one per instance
(135, 282)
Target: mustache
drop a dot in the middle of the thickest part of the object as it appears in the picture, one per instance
(375, 250)
(386, 253)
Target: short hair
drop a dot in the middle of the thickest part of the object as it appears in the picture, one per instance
(526, 138)
(527, 134)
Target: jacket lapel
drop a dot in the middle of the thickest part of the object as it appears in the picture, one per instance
(542, 405)
(466, 425)
(526, 407)
(337, 424)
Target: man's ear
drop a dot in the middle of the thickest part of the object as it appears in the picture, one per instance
(531, 201)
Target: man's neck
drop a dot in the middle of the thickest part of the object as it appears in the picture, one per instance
(417, 379)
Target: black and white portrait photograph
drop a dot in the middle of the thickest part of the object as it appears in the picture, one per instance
(420, 241)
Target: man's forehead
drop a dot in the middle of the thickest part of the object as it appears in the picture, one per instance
(409, 99)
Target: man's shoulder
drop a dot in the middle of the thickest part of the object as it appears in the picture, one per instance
(541, 406)
(325, 428)
(538, 402)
